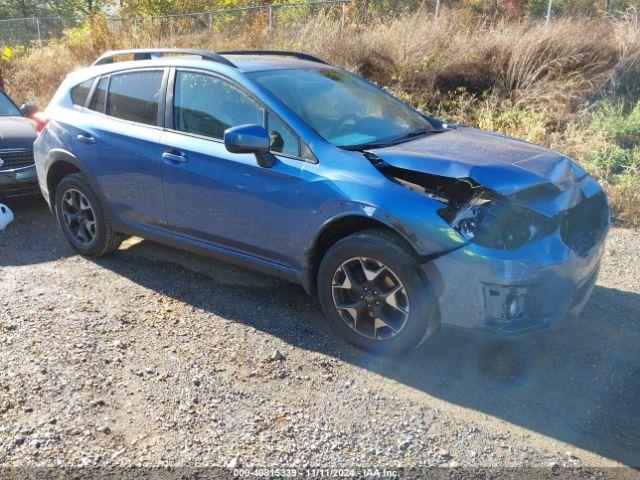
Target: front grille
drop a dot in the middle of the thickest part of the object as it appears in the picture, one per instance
(11, 159)
(584, 225)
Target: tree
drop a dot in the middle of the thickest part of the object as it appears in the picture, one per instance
(24, 8)
(47, 8)
(163, 7)
(80, 8)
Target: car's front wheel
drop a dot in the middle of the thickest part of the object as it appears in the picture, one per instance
(372, 289)
(82, 219)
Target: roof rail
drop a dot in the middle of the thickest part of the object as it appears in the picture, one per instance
(151, 53)
(284, 53)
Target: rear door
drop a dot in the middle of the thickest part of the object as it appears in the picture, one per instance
(222, 198)
(118, 138)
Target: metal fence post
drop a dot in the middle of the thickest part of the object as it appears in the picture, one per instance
(344, 14)
(39, 34)
(548, 18)
(437, 14)
(210, 21)
(270, 12)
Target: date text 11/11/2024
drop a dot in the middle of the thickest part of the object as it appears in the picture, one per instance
(316, 473)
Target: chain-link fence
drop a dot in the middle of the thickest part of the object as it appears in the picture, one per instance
(232, 21)
(23, 31)
(26, 31)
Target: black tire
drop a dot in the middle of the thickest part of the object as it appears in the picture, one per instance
(389, 250)
(104, 240)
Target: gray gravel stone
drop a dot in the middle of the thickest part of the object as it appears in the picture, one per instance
(126, 343)
(277, 356)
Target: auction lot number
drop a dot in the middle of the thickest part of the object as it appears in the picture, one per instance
(315, 473)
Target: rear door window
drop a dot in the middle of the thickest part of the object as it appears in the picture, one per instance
(135, 96)
(207, 105)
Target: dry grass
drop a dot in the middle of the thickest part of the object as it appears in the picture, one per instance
(545, 84)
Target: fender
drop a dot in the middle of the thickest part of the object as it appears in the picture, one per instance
(61, 155)
(336, 211)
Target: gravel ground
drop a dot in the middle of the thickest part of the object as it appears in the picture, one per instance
(153, 357)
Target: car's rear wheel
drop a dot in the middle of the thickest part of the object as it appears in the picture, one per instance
(372, 289)
(82, 219)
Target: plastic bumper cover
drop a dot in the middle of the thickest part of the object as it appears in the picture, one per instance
(519, 291)
(19, 182)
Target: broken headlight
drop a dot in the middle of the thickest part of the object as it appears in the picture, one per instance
(497, 223)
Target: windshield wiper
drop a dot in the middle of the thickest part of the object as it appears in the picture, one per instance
(402, 138)
(414, 134)
(365, 146)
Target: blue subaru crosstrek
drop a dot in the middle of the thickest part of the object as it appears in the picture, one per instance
(279, 162)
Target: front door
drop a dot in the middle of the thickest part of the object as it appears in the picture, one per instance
(222, 198)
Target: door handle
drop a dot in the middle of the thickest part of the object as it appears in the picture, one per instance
(175, 158)
(88, 139)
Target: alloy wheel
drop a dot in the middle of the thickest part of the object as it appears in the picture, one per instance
(79, 217)
(370, 298)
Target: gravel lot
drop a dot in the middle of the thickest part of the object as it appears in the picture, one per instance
(153, 357)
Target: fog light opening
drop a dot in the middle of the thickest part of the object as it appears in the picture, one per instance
(506, 304)
(513, 306)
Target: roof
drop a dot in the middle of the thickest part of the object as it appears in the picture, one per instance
(232, 63)
(254, 63)
(243, 60)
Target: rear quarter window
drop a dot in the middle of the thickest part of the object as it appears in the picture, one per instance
(135, 96)
(80, 92)
(99, 96)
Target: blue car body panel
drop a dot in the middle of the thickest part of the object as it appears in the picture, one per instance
(126, 161)
(270, 218)
(243, 207)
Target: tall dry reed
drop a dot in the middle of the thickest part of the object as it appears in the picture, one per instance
(542, 83)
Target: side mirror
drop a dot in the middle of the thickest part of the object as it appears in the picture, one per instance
(250, 139)
(28, 110)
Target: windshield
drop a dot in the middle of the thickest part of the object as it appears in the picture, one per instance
(7, 108)
(344, 109)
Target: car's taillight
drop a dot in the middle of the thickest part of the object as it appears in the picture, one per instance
(40, 120)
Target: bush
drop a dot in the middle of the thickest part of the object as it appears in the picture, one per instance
(612, 159)
(618, 123)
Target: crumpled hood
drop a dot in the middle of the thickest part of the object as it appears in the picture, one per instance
(532, 175)
(16, 132)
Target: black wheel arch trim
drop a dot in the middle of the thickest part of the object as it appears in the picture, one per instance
(58, 155)
(308, 275)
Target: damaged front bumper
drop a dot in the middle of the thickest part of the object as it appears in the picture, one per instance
(519, 291)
